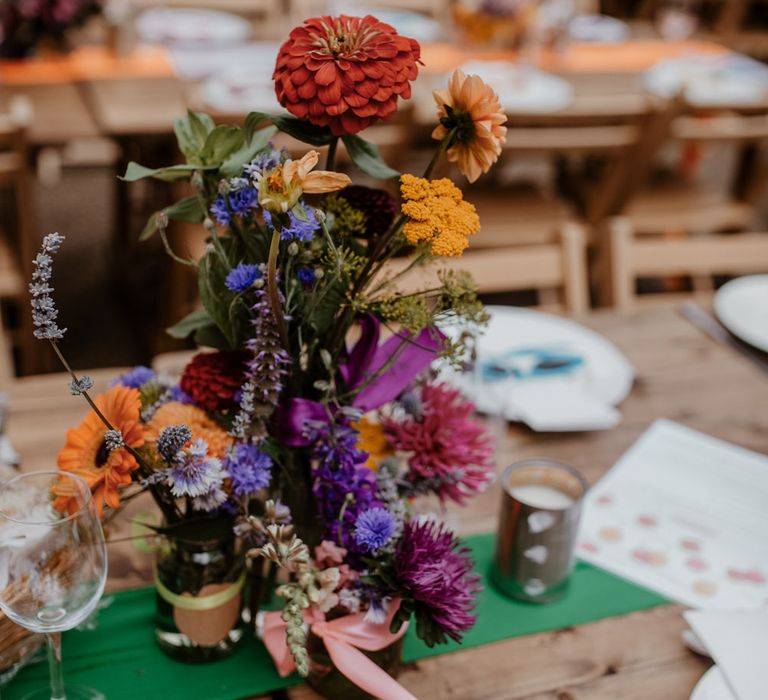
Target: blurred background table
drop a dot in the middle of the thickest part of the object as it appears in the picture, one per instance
(681, 375)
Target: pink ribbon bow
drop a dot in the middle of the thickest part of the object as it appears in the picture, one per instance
(343, 638)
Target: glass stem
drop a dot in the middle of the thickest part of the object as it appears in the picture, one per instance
(54, 665)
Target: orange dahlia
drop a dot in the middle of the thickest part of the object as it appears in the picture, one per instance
(86, 455)
(345, 72)
(198, 422)
(471, 110)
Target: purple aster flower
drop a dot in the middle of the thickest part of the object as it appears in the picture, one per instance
(306, 275)
(249, 469)
(298, 229)
(242, 201)
(433, 569)
(373, 529)
(195, 474)
(136, 378)
(221, 211)
(242, 277)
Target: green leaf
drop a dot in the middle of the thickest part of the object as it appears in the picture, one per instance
(365, 155)
(211, 337)
(221, 143)
(189, 210)
(301, 130)
(189, 324)
(173, 173)
(216, 302)
(192, 132)
(233, 165)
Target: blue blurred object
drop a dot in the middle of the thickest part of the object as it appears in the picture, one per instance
(529, 363)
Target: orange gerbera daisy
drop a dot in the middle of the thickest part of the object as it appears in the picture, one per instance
(198, 422)
(471, 110)
(86, 455)
(372, 440)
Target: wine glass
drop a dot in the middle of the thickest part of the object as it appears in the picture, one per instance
(53, 565)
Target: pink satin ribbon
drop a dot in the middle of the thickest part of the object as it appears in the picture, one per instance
(343, 638)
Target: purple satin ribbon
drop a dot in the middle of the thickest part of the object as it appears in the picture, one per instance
(363, 367)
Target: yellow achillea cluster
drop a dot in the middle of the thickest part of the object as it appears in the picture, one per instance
(437, 214)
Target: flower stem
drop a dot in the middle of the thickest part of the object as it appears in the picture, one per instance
(273, 293)
(444, 145)
(330, 158)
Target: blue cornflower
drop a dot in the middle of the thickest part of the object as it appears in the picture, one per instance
(195, 474)
(374, 528)
(249, 469)
(242, 277)
(177, 394)
(264, 161)
(136, 378)
(306, 275)
(242, 201)
(221, 211)
(299, 230)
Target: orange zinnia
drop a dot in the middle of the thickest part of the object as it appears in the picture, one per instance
(198, 422)
(471, 110)
(85, 453)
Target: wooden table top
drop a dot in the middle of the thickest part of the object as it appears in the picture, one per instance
(681, 375)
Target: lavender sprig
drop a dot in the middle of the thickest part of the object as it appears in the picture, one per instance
(44, 311)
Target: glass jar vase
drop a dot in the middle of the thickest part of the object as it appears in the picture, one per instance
(327, 680)
(200, 589)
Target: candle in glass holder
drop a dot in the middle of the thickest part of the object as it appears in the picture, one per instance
(541, 506)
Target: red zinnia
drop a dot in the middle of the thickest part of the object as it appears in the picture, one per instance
(211, 379)
(345, 72)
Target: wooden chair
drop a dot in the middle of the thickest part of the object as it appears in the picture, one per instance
(554, 270)
(634, 257)
(16, 249)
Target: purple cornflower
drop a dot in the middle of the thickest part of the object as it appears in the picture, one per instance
(373, 529)
(221, 211)
(195, 474)
(177, 394)
(436, 572)
(248, 468)
(344, 486)
(242, 277)
(298, 229)
(306, 275)
(265, 161)
(135, 378)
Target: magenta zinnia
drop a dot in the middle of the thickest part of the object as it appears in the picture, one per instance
(435, 573)
(450, 452)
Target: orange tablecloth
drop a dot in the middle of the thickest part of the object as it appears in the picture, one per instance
(629, 57)
(87, 63)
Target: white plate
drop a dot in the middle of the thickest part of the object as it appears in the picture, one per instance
(599, 29)
(605, 374)
(241, 88)
(712, 686)
(190, 26)
(741, 305)
(710, 81)
(523, 89)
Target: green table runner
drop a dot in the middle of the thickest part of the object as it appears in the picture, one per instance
(120, 658)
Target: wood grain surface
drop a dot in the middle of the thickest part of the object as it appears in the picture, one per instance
(681, 375)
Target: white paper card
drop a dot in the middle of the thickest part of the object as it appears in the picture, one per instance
(686, 515)
(738, 642)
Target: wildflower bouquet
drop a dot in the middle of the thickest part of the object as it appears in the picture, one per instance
(311, 422)
(24, 24)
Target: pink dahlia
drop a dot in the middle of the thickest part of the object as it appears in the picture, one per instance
(451, 453)
(345, 72)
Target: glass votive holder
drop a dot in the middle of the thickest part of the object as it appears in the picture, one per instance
(539, 521)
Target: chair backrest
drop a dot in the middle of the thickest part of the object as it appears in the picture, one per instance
(634, 257)
(559, 266)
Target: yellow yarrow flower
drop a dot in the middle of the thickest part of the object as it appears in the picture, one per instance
(437, 214)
